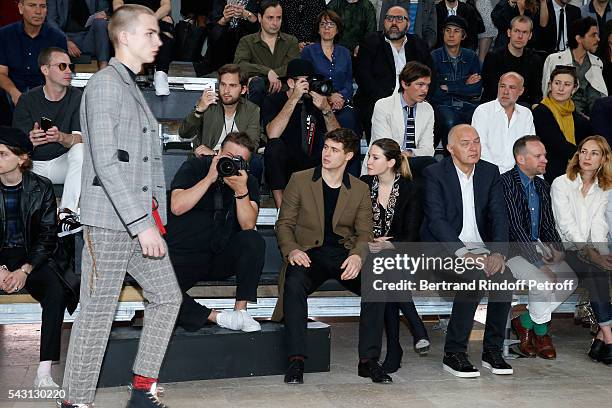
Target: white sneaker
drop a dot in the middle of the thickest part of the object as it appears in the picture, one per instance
(249, 324)
(160, 80)
(230, 319)
(45, 382)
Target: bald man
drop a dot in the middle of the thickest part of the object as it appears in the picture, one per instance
(465, 212)
(502, 122)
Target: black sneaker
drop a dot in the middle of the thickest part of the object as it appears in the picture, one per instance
(69, 224)
(458, 365)
(494, 362)
(145, 399)
(66, 404)
(295, 372)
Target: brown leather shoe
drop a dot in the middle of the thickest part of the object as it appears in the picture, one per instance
(525, 337)
(544, 347)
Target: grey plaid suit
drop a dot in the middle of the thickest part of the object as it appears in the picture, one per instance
(122, 172)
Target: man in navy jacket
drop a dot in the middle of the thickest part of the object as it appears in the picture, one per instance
(464, 208)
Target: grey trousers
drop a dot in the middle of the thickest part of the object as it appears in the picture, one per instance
(94, 41)
(107, 256)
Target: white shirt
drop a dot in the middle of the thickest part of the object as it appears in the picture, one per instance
(230, 126)
(470, 236)
(557, 9)
(580, 219)
(497, 134)
(399, 59)
(452, 11)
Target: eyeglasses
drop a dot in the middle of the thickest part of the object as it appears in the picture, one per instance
(62, 66)
(327, 24)
(398, 19)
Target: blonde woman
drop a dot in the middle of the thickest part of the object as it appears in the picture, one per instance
(579, 200)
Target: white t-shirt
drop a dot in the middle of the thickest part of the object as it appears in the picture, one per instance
(230, 126)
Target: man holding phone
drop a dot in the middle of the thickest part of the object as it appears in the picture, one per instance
(50, 115)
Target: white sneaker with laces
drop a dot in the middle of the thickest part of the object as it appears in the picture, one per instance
(160, 80)
(249, 324)
(230, 319)
(45, 381)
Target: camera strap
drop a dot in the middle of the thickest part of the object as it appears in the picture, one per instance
(309, 127)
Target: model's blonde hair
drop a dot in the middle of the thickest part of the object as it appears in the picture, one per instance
(123, 20)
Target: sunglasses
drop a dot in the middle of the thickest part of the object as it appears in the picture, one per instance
(397, 19)
(62, 66)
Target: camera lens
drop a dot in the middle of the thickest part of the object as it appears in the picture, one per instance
(226, 167)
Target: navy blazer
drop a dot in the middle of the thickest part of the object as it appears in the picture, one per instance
(443, 206)
(519, 219)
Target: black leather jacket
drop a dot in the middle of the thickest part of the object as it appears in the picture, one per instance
(38, 214)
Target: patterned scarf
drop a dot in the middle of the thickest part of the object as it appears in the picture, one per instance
(382, 227)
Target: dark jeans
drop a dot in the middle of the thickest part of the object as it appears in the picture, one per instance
(392, 323)
(243, 257)
(282, 160)
(301, 282)
(597, 282)
(44, 286)
(222, 43)
(258, 89)
(448, 116)
(94, 41)
(464, 308)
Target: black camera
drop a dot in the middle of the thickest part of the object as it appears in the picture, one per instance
(230, 166)
(321, 86)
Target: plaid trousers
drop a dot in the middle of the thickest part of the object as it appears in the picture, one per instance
(107, 256)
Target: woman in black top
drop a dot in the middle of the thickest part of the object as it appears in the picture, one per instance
(28, 238)
(557, 123)
(397, 218)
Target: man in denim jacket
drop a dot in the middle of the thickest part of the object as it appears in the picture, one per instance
(458, 83)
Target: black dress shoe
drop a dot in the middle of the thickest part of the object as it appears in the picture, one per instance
(596, 350)
(371, 369)
(393, 360)
(458, 365)
(295, 372)
(494, 362)
(606, 354)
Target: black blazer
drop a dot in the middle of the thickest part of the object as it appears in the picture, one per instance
(519, 219)
(558, 150)
(444, 209)
(600, 117)
(408, 211)
(374, 68)
(547, 36)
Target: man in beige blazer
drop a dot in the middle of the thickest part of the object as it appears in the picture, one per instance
(405, 116)
(323, 229)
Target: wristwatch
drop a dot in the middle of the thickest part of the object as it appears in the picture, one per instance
(327, 112)
(196, 111)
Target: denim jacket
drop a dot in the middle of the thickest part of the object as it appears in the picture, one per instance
(458, 91)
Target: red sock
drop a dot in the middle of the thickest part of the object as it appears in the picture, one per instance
(143, 383)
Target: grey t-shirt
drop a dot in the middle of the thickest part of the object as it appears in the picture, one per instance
(33, 105)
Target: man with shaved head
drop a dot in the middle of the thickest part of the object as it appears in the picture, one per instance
(465, 211)
(502, 121)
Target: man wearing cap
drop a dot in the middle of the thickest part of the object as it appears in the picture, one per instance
(475, 25)
(295, 122)
(458, 83)
(27, 233)
(58, 147)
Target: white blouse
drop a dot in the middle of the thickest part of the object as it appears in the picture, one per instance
(580, 219)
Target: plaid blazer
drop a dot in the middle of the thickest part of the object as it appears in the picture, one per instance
(122, 165)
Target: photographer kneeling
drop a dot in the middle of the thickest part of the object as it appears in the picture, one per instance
(214, 205)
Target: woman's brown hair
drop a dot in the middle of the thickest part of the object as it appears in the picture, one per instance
(391, 150)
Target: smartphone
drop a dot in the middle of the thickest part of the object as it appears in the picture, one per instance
(46, 123)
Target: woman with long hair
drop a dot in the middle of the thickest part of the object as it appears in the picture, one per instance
(557, 123)
(579, 200)
(397, 217)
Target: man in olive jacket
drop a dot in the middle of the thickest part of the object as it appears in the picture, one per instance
(323, 229)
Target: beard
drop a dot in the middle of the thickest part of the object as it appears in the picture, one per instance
(231, 101)
(395, 35)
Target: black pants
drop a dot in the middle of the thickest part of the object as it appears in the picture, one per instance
(243, 257)
(301, 282)
(282, 160)
(222, 43)
(392, 323)
(464, 308)
(44, 286)
(164, 55)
